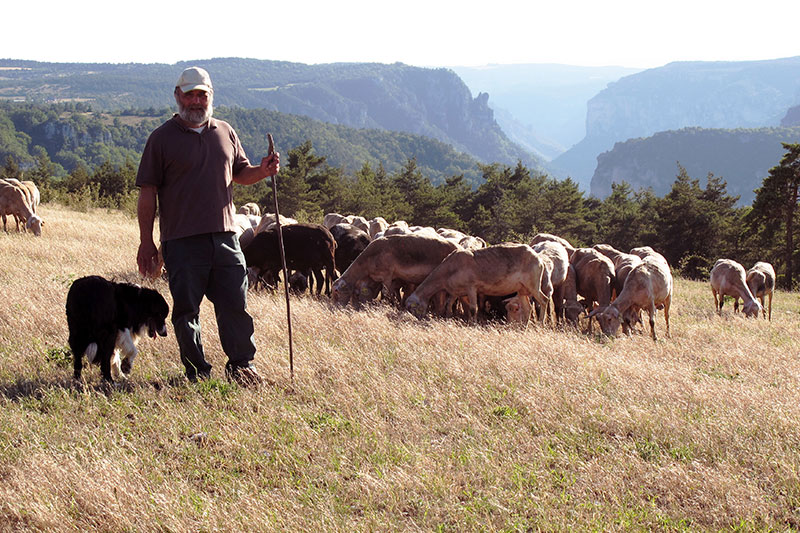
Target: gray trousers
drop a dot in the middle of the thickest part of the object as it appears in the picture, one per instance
(211, 265)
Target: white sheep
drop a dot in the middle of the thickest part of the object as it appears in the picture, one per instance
(728, 278)
(250, 208)
(647, 286)
(14, 201)
(761, 282)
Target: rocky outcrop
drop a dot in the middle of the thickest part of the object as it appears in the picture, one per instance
(742, 157)
(744, 94)
(792, 117)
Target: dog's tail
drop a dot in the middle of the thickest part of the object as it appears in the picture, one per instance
(91, 352)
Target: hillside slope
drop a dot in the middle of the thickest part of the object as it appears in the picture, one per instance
(433, 103)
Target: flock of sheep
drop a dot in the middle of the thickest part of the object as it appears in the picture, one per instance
(20, 200)
(447, 273)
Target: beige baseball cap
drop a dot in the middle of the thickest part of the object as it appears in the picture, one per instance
(195, 78)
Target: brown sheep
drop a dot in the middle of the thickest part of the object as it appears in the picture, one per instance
(407, 259)
(594, 276)
(494, 271)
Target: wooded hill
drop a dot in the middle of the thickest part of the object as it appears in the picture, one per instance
(72, 135)
(742, 157)
(433, 103)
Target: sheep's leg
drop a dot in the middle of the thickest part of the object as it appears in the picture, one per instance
(718, 300)
(735, 304)
(321, 281)
(472, 313)
(667, 303)
(652, 312)
(770, 306)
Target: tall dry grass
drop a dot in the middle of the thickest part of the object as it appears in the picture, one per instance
(391, 424)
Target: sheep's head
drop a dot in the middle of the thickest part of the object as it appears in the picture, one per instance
(35, 224)
(518, 309)
(572, 310)
(751, 309)
(416, 306)
(341, 291)
(298, 282)
(608, 318)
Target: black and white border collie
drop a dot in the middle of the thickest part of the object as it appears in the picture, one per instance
(106, 319)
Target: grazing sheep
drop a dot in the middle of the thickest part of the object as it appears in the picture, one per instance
(407, 259)
(541, 237)
(35, 196)
(14, 201)
(377, 225)
(728, 279)
(250, 208)
(556, 259)
(761, 282)
(308, 248)
(623, 263)
(594, 275)
(497, 270)
(648, 285)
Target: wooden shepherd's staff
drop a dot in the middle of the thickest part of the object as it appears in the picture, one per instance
(283, 259)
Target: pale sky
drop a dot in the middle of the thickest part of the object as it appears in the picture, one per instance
(428, 33)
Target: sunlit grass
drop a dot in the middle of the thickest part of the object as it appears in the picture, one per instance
(391, 423)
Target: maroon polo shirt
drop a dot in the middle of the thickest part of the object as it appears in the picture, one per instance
(194, 176)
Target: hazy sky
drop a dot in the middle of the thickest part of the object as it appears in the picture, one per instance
(634, 33)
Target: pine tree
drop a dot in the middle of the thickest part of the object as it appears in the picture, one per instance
(775, 209)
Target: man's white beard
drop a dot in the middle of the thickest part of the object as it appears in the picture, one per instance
(196, 116)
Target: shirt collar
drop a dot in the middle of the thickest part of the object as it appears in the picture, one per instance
(211, 124)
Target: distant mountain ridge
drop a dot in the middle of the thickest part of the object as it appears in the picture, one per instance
(430, 102)
(746, 94)
(541, 106)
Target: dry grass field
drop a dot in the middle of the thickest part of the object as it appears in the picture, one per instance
(391, 424)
